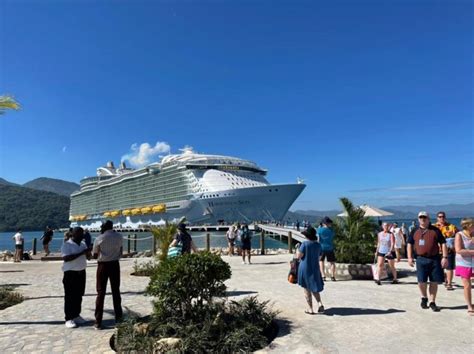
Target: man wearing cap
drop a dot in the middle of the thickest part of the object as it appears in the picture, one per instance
(107, 250)
(424, 242)
(326, 239)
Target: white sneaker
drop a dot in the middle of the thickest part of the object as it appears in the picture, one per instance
(79, 320)
(71, 324)
(244, 262)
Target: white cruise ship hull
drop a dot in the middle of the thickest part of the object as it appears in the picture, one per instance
(269, 202)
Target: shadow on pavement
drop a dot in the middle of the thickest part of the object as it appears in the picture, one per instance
(13, 285)
(62, 296)
(460, 307)
(284, 327)
(240, 292)
(356, 311)
(11, 271)
(33, 323)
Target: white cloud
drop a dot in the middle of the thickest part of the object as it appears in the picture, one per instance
(144, 154)
(64, 148)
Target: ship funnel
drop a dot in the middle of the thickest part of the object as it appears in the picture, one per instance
(110, 164)
(123, 166)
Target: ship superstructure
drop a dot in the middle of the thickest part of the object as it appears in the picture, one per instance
(202, 188)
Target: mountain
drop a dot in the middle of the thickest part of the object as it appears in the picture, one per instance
(4, 182)
(31, 209)
(57, 186)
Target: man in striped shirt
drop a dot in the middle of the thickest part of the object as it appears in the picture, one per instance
(107, 250)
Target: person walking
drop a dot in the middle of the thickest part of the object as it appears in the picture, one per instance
(399, 240)
(326, 239)
(107, 250)
(18, 237)
(309, 273)
(464, 246)
(46, 238)
(184, 239)
(246, 240)
(74, 253)
(231, 235)
(425, 242)
(88, 239)
(385, 250)
(449, 231)
(405, 237)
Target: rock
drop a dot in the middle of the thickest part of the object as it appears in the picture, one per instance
(167, 344)
(141, 328)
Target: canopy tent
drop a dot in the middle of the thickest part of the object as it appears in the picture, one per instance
(370, 211)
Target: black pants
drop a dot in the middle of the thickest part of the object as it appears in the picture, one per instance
(74, 287)
(105, 271)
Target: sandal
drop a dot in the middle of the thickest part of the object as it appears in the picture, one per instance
(309, 312)
(333, 279)
(449, 287)
(321, 309)
(395, 281)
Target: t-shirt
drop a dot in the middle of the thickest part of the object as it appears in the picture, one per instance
(108, 246)
(18, 238)
(426, 241)
(185, 240)
(448, 231)
(69, 248)
(326, 238)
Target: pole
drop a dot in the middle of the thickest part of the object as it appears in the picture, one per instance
(208, 242)
(134, 242)
(128, 243)
(290, 241)
(34, 246)
(262, 243)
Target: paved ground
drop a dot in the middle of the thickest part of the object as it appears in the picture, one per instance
(361, 317)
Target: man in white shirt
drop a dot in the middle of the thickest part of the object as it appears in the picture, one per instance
(74, 252)
(18, 237)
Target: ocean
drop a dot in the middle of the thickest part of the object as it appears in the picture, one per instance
(218, 239)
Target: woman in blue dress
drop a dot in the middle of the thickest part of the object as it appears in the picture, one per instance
(309, 274)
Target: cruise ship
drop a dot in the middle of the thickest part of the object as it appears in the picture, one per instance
(205, 189)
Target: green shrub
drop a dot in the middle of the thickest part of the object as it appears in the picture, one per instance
(354, 236)
(182, 285)
(8, 297)
(145, 269)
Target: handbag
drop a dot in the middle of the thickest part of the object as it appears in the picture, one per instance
(175, 251)
(293, 273)
(375, 271)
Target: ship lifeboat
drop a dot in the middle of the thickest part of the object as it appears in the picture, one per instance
(136, 211)
(126, 212)
(145, 210)
(160, 208)
(115, 213)
(106, 214)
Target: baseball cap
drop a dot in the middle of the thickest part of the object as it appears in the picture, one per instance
(423, 213)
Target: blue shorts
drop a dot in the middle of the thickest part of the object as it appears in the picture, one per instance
(429, 268)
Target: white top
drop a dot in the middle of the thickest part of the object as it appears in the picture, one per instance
(397, 232)
(18, 238)
(70, 247)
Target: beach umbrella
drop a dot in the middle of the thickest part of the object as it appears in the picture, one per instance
(371, 211)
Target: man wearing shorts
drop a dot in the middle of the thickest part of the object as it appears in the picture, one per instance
(326, 239)
(46, 238)
(448, 230)
(424, 242)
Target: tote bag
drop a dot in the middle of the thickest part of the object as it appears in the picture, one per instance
(375, 271)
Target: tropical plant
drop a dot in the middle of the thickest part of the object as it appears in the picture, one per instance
(163, 237)
(8, 102)
(355, 235)
(8, 297)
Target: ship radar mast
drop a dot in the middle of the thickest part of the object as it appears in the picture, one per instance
(299, 180)
(187, 149)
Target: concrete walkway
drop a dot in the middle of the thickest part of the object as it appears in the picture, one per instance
(361, 317)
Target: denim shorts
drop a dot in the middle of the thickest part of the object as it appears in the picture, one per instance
(429, 268)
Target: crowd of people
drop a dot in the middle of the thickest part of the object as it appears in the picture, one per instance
(429, 247)
(239, 239)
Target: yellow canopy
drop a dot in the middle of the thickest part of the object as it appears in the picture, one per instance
(107, 214)
(126, 212)
(145, 210)
(115, 213)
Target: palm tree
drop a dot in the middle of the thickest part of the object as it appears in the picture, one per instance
(355, 235)
(163, 237)
(8, 102)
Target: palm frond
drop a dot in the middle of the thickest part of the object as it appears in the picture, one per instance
(8, 102)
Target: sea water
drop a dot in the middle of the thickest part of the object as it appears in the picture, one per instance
(144, 242)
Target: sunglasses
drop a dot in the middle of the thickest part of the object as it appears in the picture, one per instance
(422, 217)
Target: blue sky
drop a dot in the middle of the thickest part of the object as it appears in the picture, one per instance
(366, 99)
